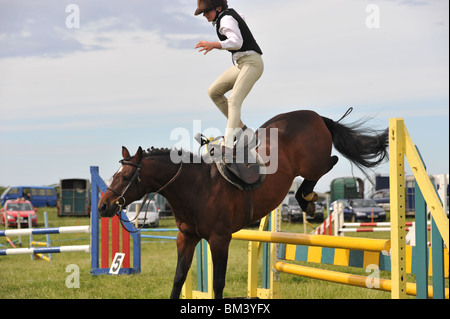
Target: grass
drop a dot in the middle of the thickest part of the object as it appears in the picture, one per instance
(20, 277)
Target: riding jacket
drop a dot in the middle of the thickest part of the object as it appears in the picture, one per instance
(235, 35)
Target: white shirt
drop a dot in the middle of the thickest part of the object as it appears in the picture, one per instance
(229, 27)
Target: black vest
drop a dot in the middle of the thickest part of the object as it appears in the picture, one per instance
(249, 41)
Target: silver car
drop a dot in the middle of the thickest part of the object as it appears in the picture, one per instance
(291, 211)
(149, 216)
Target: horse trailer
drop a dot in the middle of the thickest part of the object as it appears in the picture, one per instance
(75, 197)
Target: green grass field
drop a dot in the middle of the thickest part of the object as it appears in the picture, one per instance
(20, 277)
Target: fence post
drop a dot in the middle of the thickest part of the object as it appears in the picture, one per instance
(397, 187)
(94, 219)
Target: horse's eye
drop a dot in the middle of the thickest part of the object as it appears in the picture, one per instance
(126, 178)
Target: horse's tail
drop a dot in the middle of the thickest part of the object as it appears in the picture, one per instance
(364, 147)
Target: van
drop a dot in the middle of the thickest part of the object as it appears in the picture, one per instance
(39, 196)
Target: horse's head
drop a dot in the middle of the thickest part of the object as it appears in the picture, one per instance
(125, 187)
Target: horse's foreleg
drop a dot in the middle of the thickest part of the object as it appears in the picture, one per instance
(186, 247)
(219, 252)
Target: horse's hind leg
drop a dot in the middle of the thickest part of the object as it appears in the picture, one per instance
(306, 197)
(186, 247)
(305, 194)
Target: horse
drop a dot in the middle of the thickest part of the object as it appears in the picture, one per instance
(207, 206)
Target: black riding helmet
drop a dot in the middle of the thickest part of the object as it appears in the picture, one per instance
(207, 5)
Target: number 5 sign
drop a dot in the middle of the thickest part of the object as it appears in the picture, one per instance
(116, 263)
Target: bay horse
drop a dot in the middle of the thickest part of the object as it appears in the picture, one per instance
(206, 206)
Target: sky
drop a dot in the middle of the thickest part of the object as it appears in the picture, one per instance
(79, 78)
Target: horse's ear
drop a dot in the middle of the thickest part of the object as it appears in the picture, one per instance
(125, 152)
(138, 155)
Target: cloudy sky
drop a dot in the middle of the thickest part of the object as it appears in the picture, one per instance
(71, 96)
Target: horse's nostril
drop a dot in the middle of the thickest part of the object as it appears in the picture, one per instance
(103, 208)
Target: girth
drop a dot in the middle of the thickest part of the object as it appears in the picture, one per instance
(248, 206)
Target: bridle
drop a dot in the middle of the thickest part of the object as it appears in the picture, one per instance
(137, 177)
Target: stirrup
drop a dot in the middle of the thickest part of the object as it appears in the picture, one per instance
(202, 139)
(210, 143)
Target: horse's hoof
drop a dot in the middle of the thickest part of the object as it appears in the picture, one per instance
(311, 209)
(312, 197)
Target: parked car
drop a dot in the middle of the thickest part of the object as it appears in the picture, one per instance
(347, 211)
(291, 210)
(18, 209)
(361, 210)
(366, 210)
(382, 198)
(149, 216)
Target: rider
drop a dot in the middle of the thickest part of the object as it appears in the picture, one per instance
(236, 37)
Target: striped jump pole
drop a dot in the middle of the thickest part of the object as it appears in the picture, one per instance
(379, 224)
(374, 227)
(331, 224)
(44, 231)
(326, 227)
(368, 230)
(45, 250)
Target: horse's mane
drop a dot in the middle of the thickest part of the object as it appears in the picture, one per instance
(156, 152)
(164, 153)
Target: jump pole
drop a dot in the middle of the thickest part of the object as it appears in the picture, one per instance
(347, 279)
(45, 250)
(45, 231)
(366, 244)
